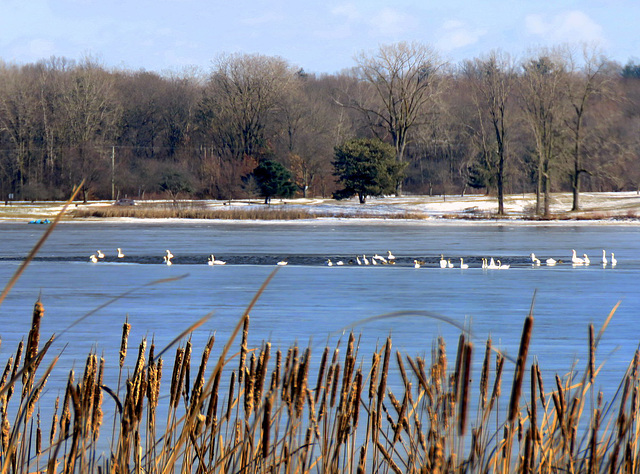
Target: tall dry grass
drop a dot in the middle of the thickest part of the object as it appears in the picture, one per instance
(254, 411)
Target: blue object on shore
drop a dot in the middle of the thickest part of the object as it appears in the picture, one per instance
(40, 221)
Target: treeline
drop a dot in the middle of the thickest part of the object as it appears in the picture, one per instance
(557, 119)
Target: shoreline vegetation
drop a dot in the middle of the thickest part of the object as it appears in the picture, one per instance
(265, 409)
(616, 207)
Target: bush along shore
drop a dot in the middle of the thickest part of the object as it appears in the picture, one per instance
(258, 409)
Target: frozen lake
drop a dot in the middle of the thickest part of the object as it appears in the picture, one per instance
(309, 301)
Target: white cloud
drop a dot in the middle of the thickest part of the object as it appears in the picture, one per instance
(347, 10)
(456, 34)
(390, 22)
(572, 26)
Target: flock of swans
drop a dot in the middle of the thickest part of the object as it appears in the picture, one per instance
(390, 259)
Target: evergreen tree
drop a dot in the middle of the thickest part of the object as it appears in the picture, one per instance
(273, 179)
(366, 167)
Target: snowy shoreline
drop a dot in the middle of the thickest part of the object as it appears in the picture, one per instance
(622, 208)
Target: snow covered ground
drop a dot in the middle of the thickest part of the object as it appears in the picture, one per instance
(598, 206)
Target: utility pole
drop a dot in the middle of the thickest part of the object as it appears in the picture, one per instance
(113, 173)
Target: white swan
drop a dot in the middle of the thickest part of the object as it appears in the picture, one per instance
(492, 264)
(169, 254)
(416, 264)
(93, 258)
(120, 254)
(551, 262)
(614, 262)
(443, 262)
(604, 258)
(374, 261)
(390, 256)
(282, 263)
(484, 263)
(100, 254)
(329, 263)
(365, 260)
(586, 259)
(503, 267)
(535, 260)
(212, 261)
(339, 263)
(358, 261)
(463, 265)
(449, 264)
(380, 258)
(575, 259)
(167, 260)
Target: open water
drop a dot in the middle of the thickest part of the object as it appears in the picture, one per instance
(311, 303)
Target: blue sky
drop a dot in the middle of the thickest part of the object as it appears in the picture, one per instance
(319, 36)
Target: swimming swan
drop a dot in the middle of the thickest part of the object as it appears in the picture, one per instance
(212, 261)
(390, 256)
(167, 260)
(100, 254)
(120, 254)
(93, 258)
(502, 267)
(586, 259)
(416, 264)
(575, 259)
(614, 262)
(463, 265)
(535, 260)
(604, 258)
(443, 262)
(492, 265)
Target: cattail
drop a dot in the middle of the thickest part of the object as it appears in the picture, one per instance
(323, 363)
(334, 388)
(484, 377)
(65, 416)
(383, 375)
(158, 373)
(457, 371)
(266, 427)
(126, 327)
(243, 348)
(543, 400)
(186, 370)
(303, 373)
(275, 378)
(534, 405)
(198, 383)
(518, 376)
(261, 374)
(175, 378)
(495, 394)
(375, 362)
(15, 370)
(31, 352)
(592, 355)
(248, 387)
(54, 421)
(212, 410)
(464, 388)
(97, 402)
(356, 399)
(232, 382)
(403, 373)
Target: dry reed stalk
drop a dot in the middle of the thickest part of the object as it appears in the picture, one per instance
(54, 421)
(464, 389)
(533, 409)
(543, 399)
(373, 374)
(321, 370)
(302, 381)
(249, 382)
(198, 383)
(14, 371)
(518, 376)
(392, 464)
(31, 351)
(334, 386)
(455, 389)
(382, 386)
(266, 426)
(96, 411)
(230, 396)
(126, 329)
(175, 378)
(186, 371)
(212, 409)
(243, 348)
(263, 363)
(592, 355)
(484, 377)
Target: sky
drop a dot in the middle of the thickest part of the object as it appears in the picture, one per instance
(321, 37)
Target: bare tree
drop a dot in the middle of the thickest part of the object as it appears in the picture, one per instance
(542, 92)
(402, 80)
(492, 81)
(586, 81)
